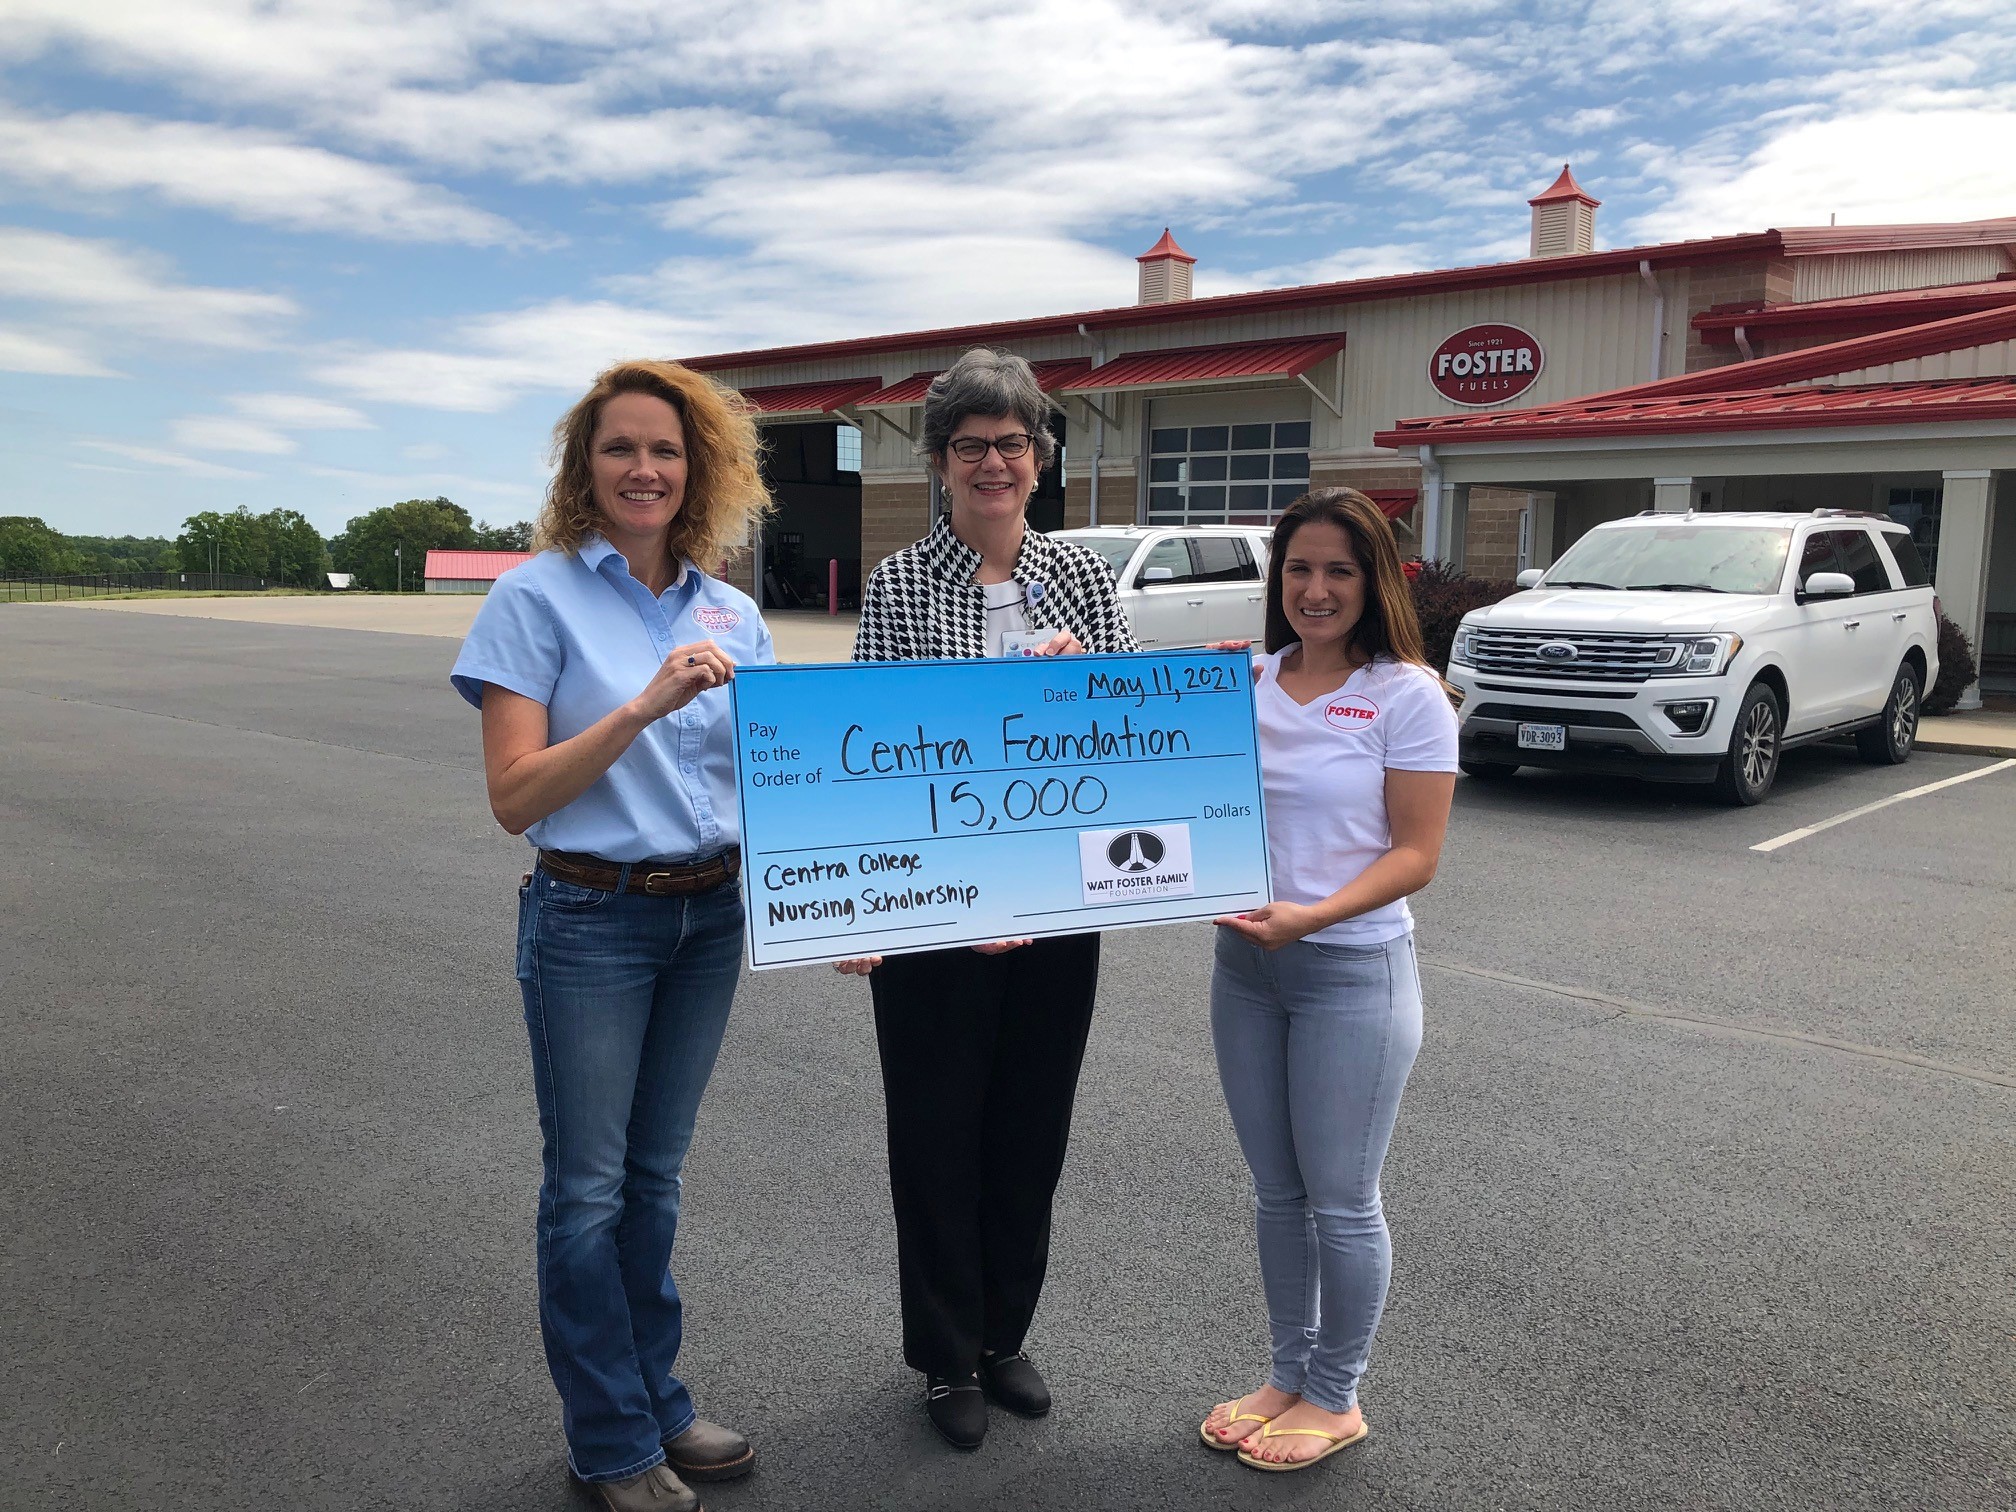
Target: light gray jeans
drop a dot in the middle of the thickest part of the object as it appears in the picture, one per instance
(1314, 1045)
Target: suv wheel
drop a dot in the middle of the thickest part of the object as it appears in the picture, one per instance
(1487, 771)
(1747, 772)
(1888, 742)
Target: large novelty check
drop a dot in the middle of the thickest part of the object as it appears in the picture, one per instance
(900, 806)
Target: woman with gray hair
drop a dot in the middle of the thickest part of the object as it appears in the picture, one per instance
(981, 1047)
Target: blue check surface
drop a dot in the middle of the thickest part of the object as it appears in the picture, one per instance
(890, 807)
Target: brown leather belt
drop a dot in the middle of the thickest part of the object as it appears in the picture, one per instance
(654, 880)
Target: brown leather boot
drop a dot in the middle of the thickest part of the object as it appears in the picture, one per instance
(656, 1490)
(708, 1452)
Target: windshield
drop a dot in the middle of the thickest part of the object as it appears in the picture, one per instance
(1677, 557)
(1115, 549)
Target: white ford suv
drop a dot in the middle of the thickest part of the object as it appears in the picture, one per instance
(1697, 647)
(1185, 585)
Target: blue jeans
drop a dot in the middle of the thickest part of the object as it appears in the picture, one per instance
(1314, 1045)
(626, 999)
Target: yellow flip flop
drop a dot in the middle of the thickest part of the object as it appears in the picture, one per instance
(1337, 1441)
(1212, 1441)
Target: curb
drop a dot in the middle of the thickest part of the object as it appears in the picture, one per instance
(1967, 747)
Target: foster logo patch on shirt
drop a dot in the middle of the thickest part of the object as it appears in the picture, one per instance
(1350, 711)
(716, 620)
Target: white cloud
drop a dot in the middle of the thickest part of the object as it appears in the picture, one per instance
(249, 175)
(299, 412)
(223, 433)
(493, 359)
(1871, 168)
(25, 352)
(417, 485)
(105, 287)
(173, 461)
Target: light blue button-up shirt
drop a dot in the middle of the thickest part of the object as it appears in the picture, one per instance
(577, 633)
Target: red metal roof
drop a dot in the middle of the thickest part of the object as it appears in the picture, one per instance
(1855, 314)
(906, 391)
(1182, 365)
(1806, 241)
(1706, 250)
(1166, 248)
(1564, 188)
(1924, 401)
(1059, 372)
(473, 566)
(809, 398)
(1394, 502)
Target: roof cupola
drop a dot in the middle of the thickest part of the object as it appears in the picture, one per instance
(1564, 218)
(1165, 272)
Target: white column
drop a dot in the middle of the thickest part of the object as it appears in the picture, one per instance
(1539, 530)
(1455, 523)
(1966, 526)
(1672, 495)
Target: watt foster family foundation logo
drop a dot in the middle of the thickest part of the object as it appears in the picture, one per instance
(1121, 866)
(716, 621)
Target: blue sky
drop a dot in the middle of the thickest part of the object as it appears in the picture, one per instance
(333, 253)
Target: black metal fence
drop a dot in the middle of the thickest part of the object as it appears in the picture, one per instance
(69, 585)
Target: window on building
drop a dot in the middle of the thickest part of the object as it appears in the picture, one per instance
(1226, 474)
(1917, 510)
(846, 448)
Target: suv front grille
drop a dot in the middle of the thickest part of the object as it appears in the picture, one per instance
(1598, 657)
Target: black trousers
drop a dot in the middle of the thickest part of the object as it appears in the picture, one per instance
(980, 1060)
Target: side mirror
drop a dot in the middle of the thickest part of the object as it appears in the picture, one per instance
(1168, 575)
(1530, 578)
(1829, 585)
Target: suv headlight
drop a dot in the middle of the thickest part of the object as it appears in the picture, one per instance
(1704, 655)
(1459, 649)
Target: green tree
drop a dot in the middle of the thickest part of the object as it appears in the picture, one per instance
(414, 526)
(504, 537)
(234, 542)
(294, 549)
(28, 545)
(124, 553)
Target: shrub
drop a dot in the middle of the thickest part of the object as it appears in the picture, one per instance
(1957, 668)
(1442, 596)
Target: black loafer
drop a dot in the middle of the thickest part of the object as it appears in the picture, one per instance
(956, 1409)
(1016, 1384)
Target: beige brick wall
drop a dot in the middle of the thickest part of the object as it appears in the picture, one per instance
(1117, 498)
(1764, 280)
(1406, 529)
(894, 512)
(1491, 540)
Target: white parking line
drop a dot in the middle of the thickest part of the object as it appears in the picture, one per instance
(1790, 836)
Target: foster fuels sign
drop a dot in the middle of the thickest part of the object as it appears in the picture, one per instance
(1486, 364)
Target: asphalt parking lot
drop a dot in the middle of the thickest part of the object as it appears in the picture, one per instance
(1701, 1196)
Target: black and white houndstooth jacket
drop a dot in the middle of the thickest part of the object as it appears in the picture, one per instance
(922, 602)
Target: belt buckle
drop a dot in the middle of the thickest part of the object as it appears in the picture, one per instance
(657, 884)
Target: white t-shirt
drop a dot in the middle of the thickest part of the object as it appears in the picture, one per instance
(1323, 766)
(1005, 612)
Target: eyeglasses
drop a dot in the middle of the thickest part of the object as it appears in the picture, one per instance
(973, 448)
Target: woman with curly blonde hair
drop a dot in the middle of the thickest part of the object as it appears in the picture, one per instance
(601, 667)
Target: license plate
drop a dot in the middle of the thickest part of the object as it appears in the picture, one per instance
(1539, 737)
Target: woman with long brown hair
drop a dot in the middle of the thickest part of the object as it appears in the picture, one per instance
(601, 667)
(1316, 998)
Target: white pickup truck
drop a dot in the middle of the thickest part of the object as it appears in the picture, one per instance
(1698, 647)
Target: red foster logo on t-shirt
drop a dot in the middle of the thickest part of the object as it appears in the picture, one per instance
(1350, 712)
(716, 621)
